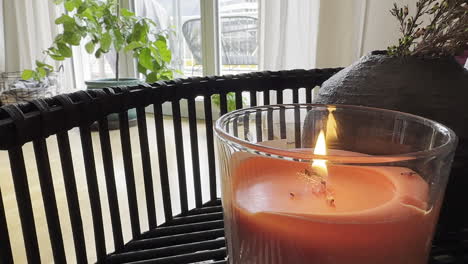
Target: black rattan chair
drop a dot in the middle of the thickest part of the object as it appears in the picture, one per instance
(195, 235)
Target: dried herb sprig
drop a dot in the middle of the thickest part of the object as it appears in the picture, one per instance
(446, 33)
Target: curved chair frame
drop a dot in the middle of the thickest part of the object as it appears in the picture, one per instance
(196, 233)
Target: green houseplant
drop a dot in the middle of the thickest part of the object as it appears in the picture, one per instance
(103, 26)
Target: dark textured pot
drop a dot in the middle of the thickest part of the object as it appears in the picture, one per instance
(435, 88)
(113, 119)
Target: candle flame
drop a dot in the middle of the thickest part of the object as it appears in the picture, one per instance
(319, 165)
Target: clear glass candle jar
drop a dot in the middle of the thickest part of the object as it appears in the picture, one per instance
(330, 184)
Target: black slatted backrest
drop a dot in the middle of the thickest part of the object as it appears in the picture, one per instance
(113, 191)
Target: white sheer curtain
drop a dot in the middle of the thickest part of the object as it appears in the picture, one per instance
(324, 33)
(288, 36)
(311, 33)
(29, 28)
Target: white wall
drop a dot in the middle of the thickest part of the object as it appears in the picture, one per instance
(2, 40)
(381, 28)
(338, 33)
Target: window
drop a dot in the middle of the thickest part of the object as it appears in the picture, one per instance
(180, 18)
(237, 34)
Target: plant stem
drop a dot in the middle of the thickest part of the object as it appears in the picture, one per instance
(117, 57)
(117, 66)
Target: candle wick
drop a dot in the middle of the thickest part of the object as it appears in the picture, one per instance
(319, 184)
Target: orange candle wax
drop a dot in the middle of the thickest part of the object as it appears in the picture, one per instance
(379, 215)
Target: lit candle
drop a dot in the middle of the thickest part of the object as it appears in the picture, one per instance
(294, 212)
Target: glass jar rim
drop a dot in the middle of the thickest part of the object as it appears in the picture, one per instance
(303, 155)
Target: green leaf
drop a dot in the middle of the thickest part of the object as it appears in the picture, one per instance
(164, 52)
(162, 39)
(64, 50)
(168, 74)
(118, 40)
(140, 32)
(141, 69)
(126, 13)
(44, 65)
(57, 57)
(166, 55)
(106, 42)
(27, 74)
(152, 77)
(63, 19)
(165, 77)
(145, 59)
(70, 28)
(85, 13)
(58, 2)
(42, 72)
(72, 38)
(133, 45)
(98, 53)
(90, 47)
(70, 5)
(156, 65)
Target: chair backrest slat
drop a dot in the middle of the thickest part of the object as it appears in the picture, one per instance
(279, 96)
(297, 127)
(295, 96)
(162, 158)
(6, 255)
(129, 173)
(93, 191)
(192, 114)
(270, 124)
(108, 165)
(223, 103)
(74, 211)
(210, 146)
(50, 201)
(179, 145)
(238, 99)
(258, 126)
(146, 165)
(309, 94)
(23, 199)
(266, 97)
(282, 114)
(253, 98)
